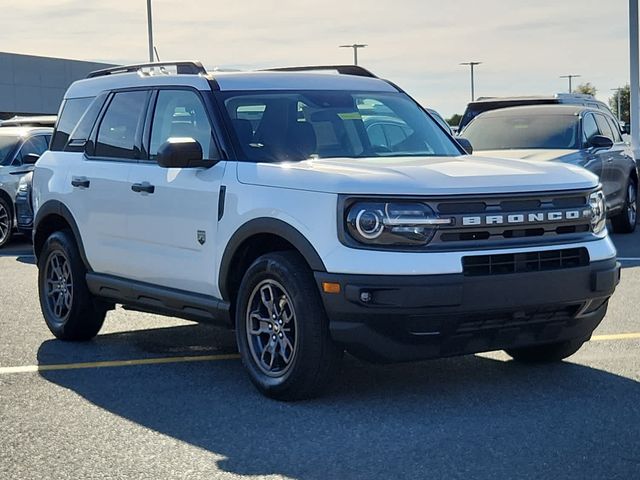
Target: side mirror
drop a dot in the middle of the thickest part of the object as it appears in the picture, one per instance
(626, 128)
(600, 141)
(181, 153)
(465, 144)
(30, 159)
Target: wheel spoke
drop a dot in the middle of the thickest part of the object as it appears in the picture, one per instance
(286, 349)
(262, 323)
(266, 294)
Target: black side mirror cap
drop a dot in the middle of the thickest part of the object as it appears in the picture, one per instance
(465, 144)
(600, 141)
(182, 153)
(30, 159)
(626, 128)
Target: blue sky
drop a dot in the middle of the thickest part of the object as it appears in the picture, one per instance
(525, 45)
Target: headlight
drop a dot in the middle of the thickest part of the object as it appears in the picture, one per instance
(23, 185)
(392, 223)
(598, 211)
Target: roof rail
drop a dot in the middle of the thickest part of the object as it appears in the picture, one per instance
(341, 69)
(183, 68)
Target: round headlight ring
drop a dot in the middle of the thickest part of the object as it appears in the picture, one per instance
(369, 224)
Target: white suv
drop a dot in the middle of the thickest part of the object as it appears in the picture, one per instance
(312, 212)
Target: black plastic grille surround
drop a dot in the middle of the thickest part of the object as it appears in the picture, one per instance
(477, 265)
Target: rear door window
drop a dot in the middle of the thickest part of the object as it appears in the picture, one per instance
(603, 126)
(615, 128)
(121, 126)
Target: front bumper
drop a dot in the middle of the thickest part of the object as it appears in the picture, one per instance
(399, 318)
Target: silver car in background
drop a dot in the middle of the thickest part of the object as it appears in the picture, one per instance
(20, 148)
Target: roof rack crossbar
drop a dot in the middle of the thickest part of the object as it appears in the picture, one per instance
(183, 68)
(341, 69)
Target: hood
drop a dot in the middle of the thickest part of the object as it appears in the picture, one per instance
(417, 175)
(536, 154)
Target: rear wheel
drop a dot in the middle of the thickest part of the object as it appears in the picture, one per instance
(625, 222)
(6, 222)
(552, 352)
(69, 309)
(282, 329)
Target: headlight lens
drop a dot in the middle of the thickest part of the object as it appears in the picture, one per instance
(598, 211)
(392, 223)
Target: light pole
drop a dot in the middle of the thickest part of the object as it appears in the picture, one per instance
(473, 87)
(150, 30)
(570, 77)
(355, 47)
(635, 76)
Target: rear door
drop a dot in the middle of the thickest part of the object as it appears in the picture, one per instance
(173, 214)
(98, 177)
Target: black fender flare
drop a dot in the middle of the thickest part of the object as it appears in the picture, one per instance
(272, 226)
(55, 207)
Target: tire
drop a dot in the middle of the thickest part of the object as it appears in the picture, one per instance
(292, 356)
(69, 309)
(625, 222)
(6, 222)
(552, 352)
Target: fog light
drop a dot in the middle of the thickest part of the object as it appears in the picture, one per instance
(366, 297)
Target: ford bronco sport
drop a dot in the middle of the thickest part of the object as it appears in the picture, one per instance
(274, 203)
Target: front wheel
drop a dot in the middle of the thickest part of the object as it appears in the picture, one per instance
(6, 222)
(552, 352)
(625, 222)
(282, 329)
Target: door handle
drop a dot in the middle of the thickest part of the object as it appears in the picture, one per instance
(80, 182)
(144, 187)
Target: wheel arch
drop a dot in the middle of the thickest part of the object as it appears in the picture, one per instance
(54, 216)
(255, 238)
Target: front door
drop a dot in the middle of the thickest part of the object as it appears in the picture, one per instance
(172, 213)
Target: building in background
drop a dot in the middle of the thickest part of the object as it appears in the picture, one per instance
(31, 85)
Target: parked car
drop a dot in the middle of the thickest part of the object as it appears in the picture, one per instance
(158, 193)
(20, 147)
(30, 121)
(24, 205)
(572, 134)
(485, 104)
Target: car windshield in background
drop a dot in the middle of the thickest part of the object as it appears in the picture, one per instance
(508, 132)
(8, 144)
(279, 126)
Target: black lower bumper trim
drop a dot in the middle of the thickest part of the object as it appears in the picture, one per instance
(396, 318)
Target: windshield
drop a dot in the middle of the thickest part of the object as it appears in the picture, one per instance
(523, 131)
(8, 144)
(292, 126)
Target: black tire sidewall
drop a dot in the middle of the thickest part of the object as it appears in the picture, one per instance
(10, 212)
(310, 321)
(85, 318)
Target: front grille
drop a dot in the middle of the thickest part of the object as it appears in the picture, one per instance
(506, 263)
(517, 219)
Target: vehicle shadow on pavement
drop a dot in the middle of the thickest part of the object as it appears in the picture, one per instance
(468, 417)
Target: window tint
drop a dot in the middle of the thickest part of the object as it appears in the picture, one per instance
(180, 113)
(117, 133)
(71, 113)
(83, 129)
(603, 126)
(589, 128)
(520, 130)
(615, 128)
(36, 144)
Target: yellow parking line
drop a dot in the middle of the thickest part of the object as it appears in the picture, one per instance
(202, 358)
(616, 336)
(116, 363)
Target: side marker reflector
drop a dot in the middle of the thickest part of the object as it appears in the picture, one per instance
(328, 287)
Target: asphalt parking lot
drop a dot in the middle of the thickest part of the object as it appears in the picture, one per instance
(110, 409)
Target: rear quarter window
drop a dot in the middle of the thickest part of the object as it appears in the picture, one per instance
(70, 113)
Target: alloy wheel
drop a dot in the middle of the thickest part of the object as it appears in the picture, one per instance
(5, 223)
(59, 286)
(271, 328)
